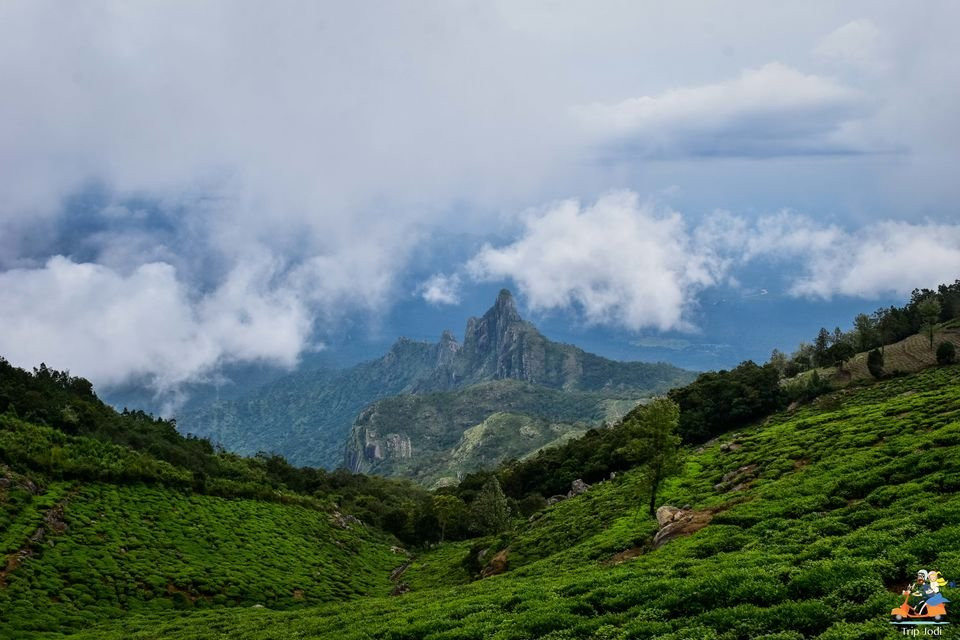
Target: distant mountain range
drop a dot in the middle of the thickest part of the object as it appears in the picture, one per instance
(311, 417)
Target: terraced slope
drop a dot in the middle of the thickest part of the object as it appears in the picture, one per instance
(817, 519)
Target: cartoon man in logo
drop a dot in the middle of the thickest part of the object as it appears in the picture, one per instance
(919, 591)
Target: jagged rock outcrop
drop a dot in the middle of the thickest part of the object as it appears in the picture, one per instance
(376, 447)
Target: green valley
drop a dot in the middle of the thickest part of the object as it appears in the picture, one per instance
(839, 504)
(800, 508)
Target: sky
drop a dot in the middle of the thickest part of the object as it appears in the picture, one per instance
(187, 187)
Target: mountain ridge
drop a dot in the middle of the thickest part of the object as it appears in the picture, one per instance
(307, 416)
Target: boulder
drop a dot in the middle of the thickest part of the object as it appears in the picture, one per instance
(577, 487)
(677, 522)
(667, 514)
(498, 564)
(555, 499)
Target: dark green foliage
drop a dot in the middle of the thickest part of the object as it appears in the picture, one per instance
(87, 440)
(929, 310)
(840, 352)
(720, 401)
(820, 346)
(875, 363)
(946, 353)
(489, 513)
(68, 403)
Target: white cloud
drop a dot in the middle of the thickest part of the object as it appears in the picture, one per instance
(619, 261)
(440, 289)
(770, 110)
(625, 264)
(111, 326)
(884, 258)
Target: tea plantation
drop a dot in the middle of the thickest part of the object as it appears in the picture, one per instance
(818, 518)
(92, 551)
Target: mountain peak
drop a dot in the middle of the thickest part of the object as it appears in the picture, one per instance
(504, 309)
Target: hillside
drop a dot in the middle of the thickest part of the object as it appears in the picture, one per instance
(909, 355)
(306, 416)
(441, 436)
(810, 522)
(76, 550)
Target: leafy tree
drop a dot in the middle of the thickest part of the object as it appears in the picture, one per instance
(893, 324)
(840, 352)
(946, 353)
(812, 387)
(929, 311)
(801, 360)
(447, 509)
(875, 363)
(489, 512)
(654, 444)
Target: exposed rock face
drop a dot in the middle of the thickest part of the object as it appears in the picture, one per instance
(501, 345)
(307, 416)
(344, 521)
(393, 446)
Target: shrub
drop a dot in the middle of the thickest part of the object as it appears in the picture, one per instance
(946, 353)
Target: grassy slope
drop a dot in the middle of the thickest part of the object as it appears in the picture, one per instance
(852, 495)
(108, 550)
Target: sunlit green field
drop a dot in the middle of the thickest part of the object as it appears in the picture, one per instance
(849, 498)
